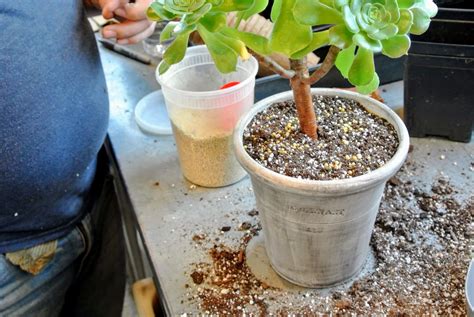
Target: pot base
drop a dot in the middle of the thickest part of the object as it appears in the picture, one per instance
(261, 266)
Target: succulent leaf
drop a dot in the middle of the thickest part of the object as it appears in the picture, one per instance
(183, 6)
(370, 87)
(313, 12)
(363, 41)
(167, 32)
(233, 5)
(340, 3)
(362, 69)
(213, 21)
(393, 10)
(421, 21)
(344, 60)
(237, 45)
(193, 17)
(340, 36)
(255, 42)
(328, 3)
(384, 33)
(276, 9)
(289, 36)
(405, 4)
(350, 20)
(163, 67)
(427, 6)
(320, 39)
(257, 7)
(396, 46)
(224, 57)
(356, 5)
(156, 12)
(152, 15)
(405, 22)
(175, 52)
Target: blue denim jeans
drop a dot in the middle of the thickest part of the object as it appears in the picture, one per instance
(24, 294)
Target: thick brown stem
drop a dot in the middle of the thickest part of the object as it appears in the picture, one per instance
(325, 67)
(303, 98)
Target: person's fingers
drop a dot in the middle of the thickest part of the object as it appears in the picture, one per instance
(108, 34)
(125, 29)
(134, 11)
(138, 37)
(109, 6)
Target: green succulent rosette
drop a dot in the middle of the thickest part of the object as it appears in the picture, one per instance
(208, 17)
(364, 27)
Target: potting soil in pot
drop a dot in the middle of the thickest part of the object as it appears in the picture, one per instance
(351, 141)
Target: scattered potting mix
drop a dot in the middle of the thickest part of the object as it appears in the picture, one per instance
(351, 141)
(420, 250)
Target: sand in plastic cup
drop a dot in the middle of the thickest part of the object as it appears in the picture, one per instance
(203, 117)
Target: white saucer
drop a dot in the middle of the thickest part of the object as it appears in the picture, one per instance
(151, 114)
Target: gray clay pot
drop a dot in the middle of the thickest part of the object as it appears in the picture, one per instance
(317, 233)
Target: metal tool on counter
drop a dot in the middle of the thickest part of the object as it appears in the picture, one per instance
(125, 51)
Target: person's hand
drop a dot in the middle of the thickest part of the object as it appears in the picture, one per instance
(134, 25)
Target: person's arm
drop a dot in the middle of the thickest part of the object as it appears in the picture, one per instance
(134, 25)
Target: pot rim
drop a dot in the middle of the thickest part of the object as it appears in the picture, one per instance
(324, 187)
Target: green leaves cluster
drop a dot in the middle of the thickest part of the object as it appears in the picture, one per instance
(359, 28)
(208, 17)
(364, 27)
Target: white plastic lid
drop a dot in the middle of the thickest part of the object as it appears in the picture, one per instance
(151, 114)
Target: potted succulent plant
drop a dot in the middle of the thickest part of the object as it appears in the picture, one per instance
(318, 158)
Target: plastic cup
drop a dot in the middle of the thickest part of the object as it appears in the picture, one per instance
(203, 117)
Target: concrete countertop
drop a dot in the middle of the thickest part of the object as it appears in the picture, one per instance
(170, 210)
